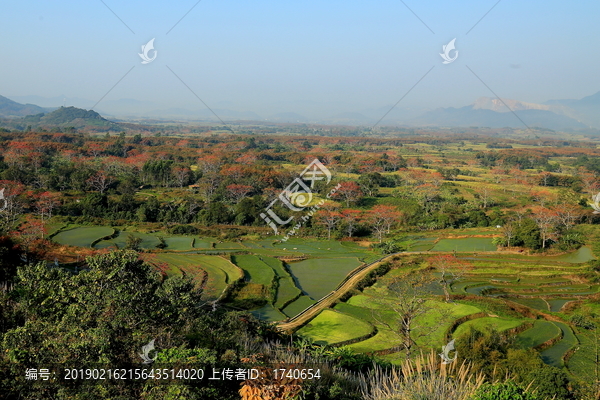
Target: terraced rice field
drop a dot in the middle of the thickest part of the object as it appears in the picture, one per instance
(82, 236)
(148, 241)
(332, 327)
(255, 270)
(553, 355)
(220, 271)
(465, 245)
(583, 361)
(499, 324)
(317, 277)
(176, 243)
(323, 248)
(269, 313)
(298, 306)
(539, 282)
(204, 243)
(541, 332)
(433, 325)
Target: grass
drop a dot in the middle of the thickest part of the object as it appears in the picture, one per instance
(276, 265)
(429, 329)
(204, 243)
(499, 324)
(440, 316)
(541, 332)
(297, 306)
(255, 270)
(268, 313)
(148, 241)
(178, 243)
(537, 304)
(358, 312)
(323, 248)
(317, 277)
(331, 327)
(286, 291)
(583, 362)
(220, 271)
(384, 339)
(228, 245)
(82, 236)
(465, 245)
(553, 355)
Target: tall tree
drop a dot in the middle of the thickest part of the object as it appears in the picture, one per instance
(451, 268)
(401, 305)
(546, 219)
(349, 192)
(351, 218)
(329, 216)
(382, 218)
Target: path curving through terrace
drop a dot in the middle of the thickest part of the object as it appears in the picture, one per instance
(346, 285)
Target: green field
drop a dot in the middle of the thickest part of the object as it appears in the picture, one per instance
(383, 340)
(148, 241)
(541, 332)
(553, 355)
(83, 236)
(433, 325)
(317, 277)
(220, 271)
(322, 248)
(255, 270)
(539, 282)
(331, 327)
(178, 243)
(583, 362)
(298, 306)
(268, 313)
(465, 245)
(499, 324)
(204, 243)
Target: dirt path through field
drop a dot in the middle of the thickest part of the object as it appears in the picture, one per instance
(356, 276)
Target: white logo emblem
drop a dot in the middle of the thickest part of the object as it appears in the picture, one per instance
(445, 354)
(596, 203)
(146, 352)
(446, 52)
(146, 48)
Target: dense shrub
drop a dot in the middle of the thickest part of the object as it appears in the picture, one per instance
(502, 391)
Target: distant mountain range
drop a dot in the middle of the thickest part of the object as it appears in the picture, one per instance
(486, 112)
(12, 109)
(567, 114)
(19, 116)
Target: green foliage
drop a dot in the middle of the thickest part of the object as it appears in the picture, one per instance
(497, 356)
(550, 382)
(389, 247)
(528, 235)
(133, 242)
(571, 240)
(582, 321)
(503, 391)
(199, 356)
(184, 230)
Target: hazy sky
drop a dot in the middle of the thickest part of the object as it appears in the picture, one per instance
(267, 55)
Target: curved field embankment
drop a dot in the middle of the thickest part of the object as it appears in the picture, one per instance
(345, 286)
